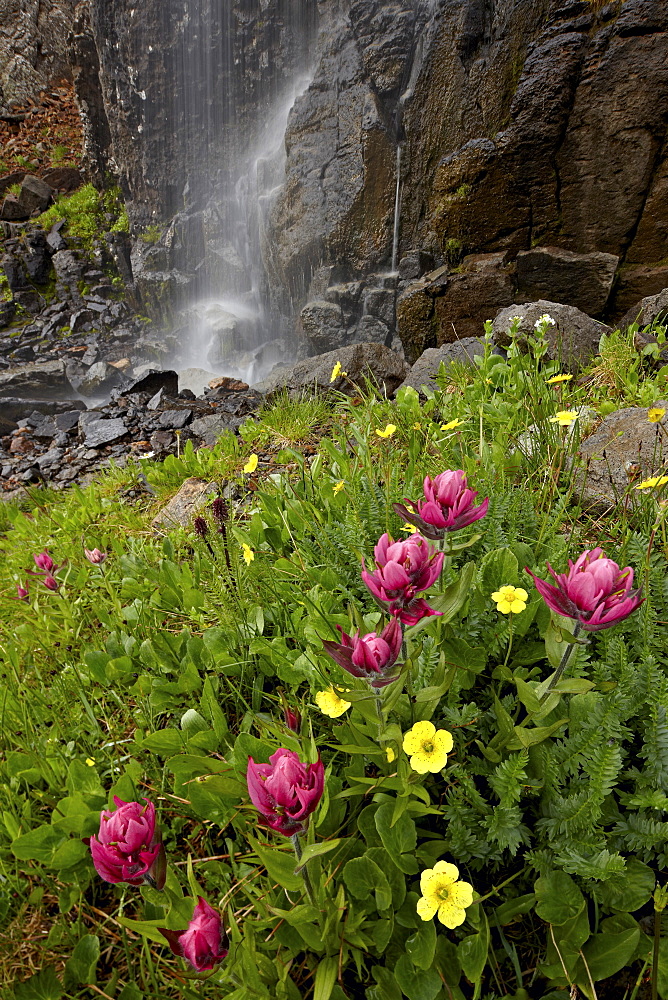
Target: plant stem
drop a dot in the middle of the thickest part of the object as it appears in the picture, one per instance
(564, 659)
(655, 953)
(305, 875)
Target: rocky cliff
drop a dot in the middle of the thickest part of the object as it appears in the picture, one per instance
(33, 50)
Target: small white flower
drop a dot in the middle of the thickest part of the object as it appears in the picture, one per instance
(544, 320)
(148, 454)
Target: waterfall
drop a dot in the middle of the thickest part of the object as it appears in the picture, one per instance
(397, 214)
(240, 67)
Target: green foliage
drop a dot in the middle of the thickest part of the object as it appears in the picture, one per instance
(161, 671)
(151, 234)
(84, 213)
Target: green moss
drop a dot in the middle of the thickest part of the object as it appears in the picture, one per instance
(84, 213)
(151, 234)
(5, 290)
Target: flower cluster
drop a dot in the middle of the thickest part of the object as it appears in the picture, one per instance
(128, 847)
(402, 570)
(285, 791)
(370, 656)
(46, 568)
(595, 591)
(204, 943)
(448, 505)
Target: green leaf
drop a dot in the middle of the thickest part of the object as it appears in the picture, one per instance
(417, 984)
(630, 890)
(506, 912)
(606, 954)
(280, 866)
(422, 945)
(559, 898)
(362, 876)
(472, 952)
(147, 928)
(43, 986)
(316, 850)
(499, 568)
(530, 737)
(398, 839)
(80, 967)
(325, 977)
(165, 742)
(527, 695)
(37, 845)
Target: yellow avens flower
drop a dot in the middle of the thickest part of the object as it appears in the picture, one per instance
(90, 761)
(564, 418)
(388, 432)
(444, 894)
(451, 424)
(251, 464)
(330, 704)
(510, 599)
(336, 371)
(428, 746)
(649, 484)
(417, 427)
(337, 487)
(410, 528)
(655, 414)
(249, 555)
(390, 754)
(556, 379)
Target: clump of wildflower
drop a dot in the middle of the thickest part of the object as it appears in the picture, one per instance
(331, 704)
(403, 569)
(443, 894)
(595, 591)
(204, 943)
(47, 568)
(544, 320)
(251, 464)
(370, 657)
(94, 556)
(337, 487)
(248, 554)
(128, 846)
(388, 432)
(564, 417)
(510, 600)
(448, 505)
(428, 746)
(285, 791)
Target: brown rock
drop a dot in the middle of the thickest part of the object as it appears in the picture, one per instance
(647, 310)
(583, 280)
(12, 210)
(63, 179)
(385, 368)
(624, 450)
(182, 508)
(472, 298)
(228, 384)
(633, 284)
(35, 195)
(573, 337)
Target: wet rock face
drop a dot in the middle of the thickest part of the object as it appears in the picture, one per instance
(32, 47)
(544, 133)
(182, 83)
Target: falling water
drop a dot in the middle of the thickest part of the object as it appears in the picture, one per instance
(241, 67)
(397, 213)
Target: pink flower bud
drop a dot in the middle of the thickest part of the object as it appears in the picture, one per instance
(21, 593)
(127, 847)
(285, 791)
(94, 556)
(204, 943)
(403, 569)
(44, 562)
(293, 720)
(595, 591)
(50, 582)
(370, 656)
(448, 505)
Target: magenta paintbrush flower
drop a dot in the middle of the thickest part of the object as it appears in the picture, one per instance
(595, 591)
(370, 656)
(448, 505)
(46, 567)
(44, 562)
(94, 556)
(204, 943)
(285, 791)
(128, 847)
(403, 569)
